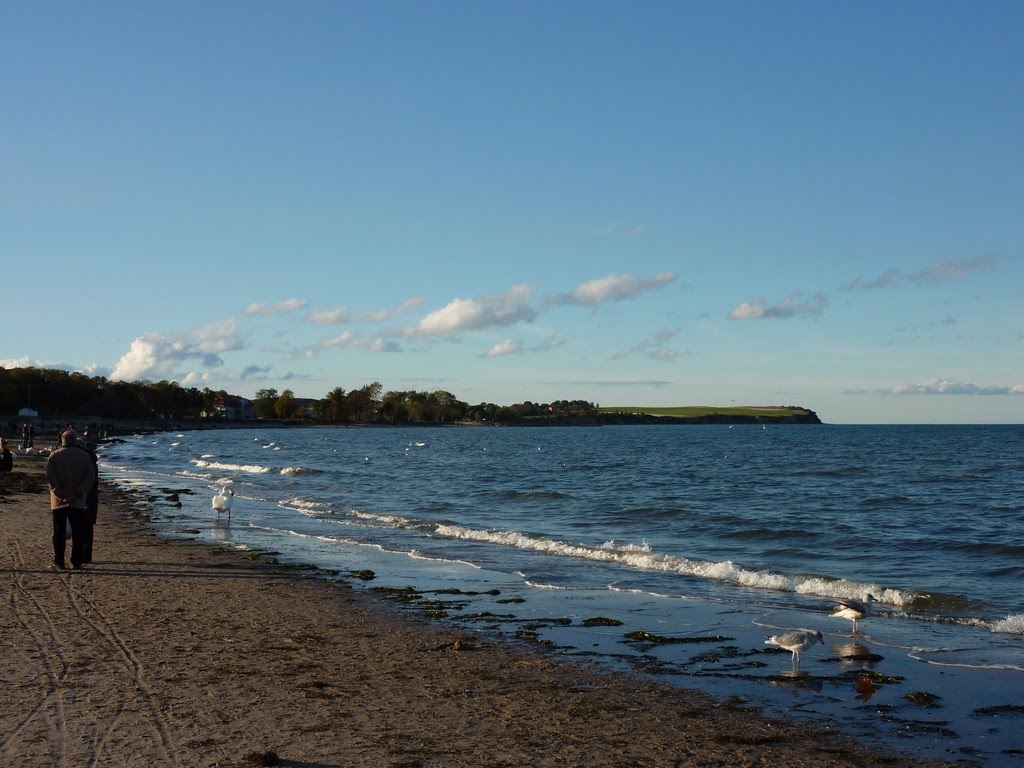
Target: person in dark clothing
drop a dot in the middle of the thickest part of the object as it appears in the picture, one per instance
(70, 473)
(92, 499)
(6, 457)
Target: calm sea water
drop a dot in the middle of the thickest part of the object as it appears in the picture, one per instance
(765, 523)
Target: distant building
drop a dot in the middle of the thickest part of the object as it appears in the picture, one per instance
(232, 407)
(28, 413)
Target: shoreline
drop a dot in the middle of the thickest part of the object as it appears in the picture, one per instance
(174, 652)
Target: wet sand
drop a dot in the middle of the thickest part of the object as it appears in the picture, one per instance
(174, 653)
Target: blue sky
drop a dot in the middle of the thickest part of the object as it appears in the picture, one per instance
(656, 203)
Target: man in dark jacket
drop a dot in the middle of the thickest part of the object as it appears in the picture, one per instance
(71, 474)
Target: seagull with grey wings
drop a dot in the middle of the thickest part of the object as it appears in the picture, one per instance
(852, 609)
(796, 642)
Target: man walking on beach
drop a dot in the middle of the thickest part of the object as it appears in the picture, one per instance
(71, 474)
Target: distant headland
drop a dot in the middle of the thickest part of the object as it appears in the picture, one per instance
(48, 399)
(697, 414)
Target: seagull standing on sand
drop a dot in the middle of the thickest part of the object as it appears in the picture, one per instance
(796, 642)
(223, 501)
(854, 610)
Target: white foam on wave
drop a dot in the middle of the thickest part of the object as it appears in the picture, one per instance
(1011, 625)
(542, 585)
(641, 556)
(417, 555)
(288, 471)
(254, 469)
(302, 505)
(841, 588)
(395, 521)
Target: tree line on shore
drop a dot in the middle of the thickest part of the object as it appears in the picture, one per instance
(56, 394)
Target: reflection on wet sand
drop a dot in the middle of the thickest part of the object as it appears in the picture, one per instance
(222, 529)
(855, 654)
(796, 680)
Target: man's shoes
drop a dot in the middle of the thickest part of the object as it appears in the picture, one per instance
(57, 566)
(76, 566)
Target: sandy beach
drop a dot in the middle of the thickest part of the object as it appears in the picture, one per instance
(174, 653)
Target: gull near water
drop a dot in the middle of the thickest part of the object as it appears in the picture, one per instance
(796, 642)
(223, 501)
(854, 610)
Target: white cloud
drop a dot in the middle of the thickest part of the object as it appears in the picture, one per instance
(152, 356)
(384, 345)
(338, 315)
(156, 357)
(463, 315)
(280, 308)
(22, 362)
(194, 379)
(611, 287)
(950, 387)
(791, 306)
(26, 362)
(328, 316)
(216, 337)
(506, 347)
(344, 340)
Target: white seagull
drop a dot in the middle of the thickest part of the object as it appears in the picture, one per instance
(223, 501)
(854, 610)
(796, 642)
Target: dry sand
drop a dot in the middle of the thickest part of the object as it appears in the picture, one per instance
(171, 653)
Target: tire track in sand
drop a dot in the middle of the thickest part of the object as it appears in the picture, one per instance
(37, 625)
(134, 669)
(48, 653)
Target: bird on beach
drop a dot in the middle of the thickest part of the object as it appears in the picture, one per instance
(852, 609)
(223, 501)
(796, 642)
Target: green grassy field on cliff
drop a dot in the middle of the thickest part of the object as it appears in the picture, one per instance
(697, 411)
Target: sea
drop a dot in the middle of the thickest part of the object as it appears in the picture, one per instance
(666, 551)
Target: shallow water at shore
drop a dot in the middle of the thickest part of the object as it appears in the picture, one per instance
(713, 536)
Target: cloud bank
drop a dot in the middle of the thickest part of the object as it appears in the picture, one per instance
(156, 357)
(950, 387)
(271, 310)
(934, 274)
(462, 315)
(791, 306)
(611, 287)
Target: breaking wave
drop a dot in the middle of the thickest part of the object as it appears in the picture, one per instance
(255, 469)
(642, 557)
